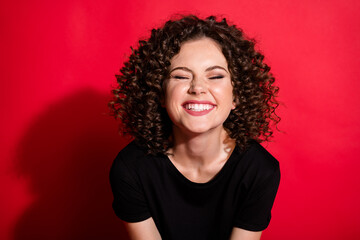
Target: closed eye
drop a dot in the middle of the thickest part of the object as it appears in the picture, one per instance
(217, 77)
(179, 77)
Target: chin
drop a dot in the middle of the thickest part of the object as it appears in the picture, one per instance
(202, 129)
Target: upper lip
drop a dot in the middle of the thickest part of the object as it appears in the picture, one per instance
(198, 102)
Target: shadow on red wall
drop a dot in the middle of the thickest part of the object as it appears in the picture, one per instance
(66, 154)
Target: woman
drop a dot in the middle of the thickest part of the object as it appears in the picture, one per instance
(197, 99)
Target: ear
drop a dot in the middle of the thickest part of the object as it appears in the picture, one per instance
(234, 103)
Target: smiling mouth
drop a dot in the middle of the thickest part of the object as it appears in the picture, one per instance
(198, 107)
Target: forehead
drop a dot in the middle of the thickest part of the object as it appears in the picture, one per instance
(199, 52)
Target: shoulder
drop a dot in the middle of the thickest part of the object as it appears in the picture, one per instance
(259, 161)
(131, 154)
(258, 154)
(127, 161)
(259, 182)
(132, 150)
(129, 200)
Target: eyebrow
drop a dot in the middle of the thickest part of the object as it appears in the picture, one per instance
(181, 68)
(206, 70)
(215, 67)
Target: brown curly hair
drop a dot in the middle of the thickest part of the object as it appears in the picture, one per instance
(137, 97)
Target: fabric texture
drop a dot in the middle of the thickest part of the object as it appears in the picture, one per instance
(240, 195)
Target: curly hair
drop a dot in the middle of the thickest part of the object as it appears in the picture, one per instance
(137, 96)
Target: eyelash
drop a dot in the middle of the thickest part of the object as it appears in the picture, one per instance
(217, 77)
(211, 78)
(180, 77)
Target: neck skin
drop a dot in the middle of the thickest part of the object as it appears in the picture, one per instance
(195, 151)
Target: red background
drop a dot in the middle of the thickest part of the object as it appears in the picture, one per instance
(58, 61)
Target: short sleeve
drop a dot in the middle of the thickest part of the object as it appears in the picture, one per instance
(129, 201)
(255, 212)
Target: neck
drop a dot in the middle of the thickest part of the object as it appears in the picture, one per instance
(201, 149)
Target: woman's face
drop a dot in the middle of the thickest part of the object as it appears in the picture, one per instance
(198, 94)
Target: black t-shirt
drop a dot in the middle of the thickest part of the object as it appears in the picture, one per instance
(240, 195)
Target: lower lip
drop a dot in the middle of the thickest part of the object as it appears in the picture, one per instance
(198, 113)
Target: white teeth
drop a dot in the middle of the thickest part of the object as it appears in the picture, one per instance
(198, 107)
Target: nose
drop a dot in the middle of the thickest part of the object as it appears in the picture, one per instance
(197, 86)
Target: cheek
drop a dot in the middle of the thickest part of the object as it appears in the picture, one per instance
(174, 94)
(169, 96)
(225, 92)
